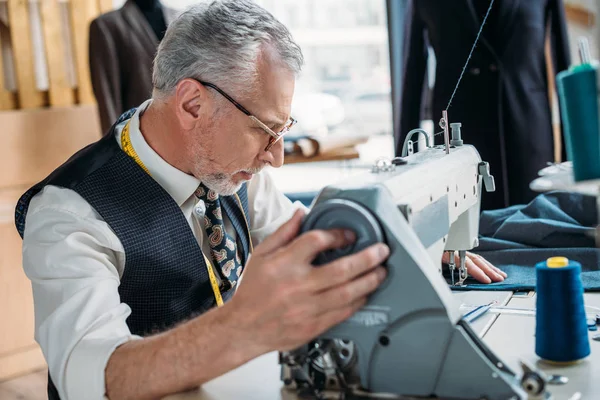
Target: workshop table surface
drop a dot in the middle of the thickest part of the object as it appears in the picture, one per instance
(511, 337)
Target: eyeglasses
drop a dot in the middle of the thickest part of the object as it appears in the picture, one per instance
(274, 136)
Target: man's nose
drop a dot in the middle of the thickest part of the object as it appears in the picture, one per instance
(274, 156)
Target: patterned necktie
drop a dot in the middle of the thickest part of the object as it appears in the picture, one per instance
(222, 245)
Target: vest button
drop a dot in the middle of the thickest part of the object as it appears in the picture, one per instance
(475, 71)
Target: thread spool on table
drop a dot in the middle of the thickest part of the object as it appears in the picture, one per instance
(579, 98)
(561, 328)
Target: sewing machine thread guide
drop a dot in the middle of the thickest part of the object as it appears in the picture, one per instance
(444, 124)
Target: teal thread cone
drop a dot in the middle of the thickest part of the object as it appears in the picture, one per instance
(578, 97)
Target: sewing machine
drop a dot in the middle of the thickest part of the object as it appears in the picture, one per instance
(409, 338)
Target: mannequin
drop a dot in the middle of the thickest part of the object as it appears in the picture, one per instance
(152, 10)
(502, 101)
(123, 43)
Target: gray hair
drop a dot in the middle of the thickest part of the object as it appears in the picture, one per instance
(220, 42)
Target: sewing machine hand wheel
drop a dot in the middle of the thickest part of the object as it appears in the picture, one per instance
(344, 214)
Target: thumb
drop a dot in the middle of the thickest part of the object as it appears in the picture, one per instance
(282, 236)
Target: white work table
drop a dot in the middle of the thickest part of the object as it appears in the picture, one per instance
(511, 337)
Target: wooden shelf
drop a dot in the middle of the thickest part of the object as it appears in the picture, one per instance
(349, 153)
(32, 144)
(580, 15)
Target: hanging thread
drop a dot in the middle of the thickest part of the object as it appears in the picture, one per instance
(561, 332)
(470, 54)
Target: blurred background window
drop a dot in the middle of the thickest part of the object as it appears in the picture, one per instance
(345, 86)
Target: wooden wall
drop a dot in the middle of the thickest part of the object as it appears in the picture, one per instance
(44, 57)
(47, 112)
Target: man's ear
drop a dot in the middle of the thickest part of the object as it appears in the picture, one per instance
(190, 100)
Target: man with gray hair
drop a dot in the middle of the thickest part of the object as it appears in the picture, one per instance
(136, 245)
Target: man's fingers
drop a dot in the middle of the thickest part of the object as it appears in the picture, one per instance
(488, 268)
(480, 268)
(476, 272)
(348, 293)
(306, 247)
(282, 236)
(479, 259)
(347, 268)
(445, 257)
(483, 272)
(498, 270)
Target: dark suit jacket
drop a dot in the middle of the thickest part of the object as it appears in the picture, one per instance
(502, 101)
(122, 48)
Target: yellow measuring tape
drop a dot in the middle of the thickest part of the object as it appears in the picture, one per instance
(130, 151)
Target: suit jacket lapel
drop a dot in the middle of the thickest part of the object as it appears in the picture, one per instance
(140, 27)
(465, 10)
(476, 23)
(508, 11)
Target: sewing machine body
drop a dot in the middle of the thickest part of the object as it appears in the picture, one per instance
(409, 339)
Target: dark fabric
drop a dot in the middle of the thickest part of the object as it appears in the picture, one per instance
(153, 12)
(121, 51)
(165, 279)
(502, 101)
(52, 392)
(554, 224)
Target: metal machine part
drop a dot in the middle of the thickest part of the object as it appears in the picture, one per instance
(344, 353)
(451, 264)
(557, 380)
(409, 339)
(534, 382)
(462, 268)
(488, 179)
(444, 126)
(456, 136)
(407, 147)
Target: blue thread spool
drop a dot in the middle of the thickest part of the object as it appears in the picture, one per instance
(561, 333)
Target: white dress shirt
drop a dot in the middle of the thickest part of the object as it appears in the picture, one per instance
(75, 262)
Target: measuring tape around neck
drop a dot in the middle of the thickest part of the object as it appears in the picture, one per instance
(130, 151)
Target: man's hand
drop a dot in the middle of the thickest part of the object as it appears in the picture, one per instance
(479, 268)
(284, 301)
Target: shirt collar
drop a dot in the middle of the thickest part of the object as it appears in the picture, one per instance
(178, 184)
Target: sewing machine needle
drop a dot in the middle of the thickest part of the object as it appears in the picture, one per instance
(451, 264)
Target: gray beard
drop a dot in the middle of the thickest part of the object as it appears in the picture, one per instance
(221, 184)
